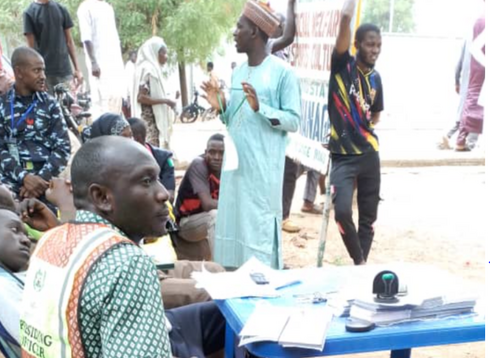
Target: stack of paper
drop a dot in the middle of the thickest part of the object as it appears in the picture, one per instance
(301, 327)
(405, 310)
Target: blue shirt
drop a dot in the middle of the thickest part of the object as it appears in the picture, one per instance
(42, 138)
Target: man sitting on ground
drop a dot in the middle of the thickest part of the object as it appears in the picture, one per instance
(197, 203)
(99, 279)
(162, 156)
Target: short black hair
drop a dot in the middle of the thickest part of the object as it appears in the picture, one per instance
(364, 29)
(21, 54)
(210, 65)
(138, 126)
(89, 167)
(217, 137)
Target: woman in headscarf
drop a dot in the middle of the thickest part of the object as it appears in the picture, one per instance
(149, 100)
(107, 124)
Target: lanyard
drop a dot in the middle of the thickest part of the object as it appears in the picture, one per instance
(22, 118)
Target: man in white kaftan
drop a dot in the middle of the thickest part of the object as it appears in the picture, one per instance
(102, 46)
(264, 104)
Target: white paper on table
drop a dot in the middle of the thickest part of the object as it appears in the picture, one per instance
(307, 327)
(303, 327)
(266, 323)
(224, 285)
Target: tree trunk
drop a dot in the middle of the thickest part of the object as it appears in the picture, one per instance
(183, 85)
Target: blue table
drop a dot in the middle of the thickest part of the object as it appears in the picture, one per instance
(399, 339)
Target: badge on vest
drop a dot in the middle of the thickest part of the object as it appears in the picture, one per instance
(39, 280)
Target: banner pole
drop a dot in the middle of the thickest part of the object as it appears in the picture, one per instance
(326, 217)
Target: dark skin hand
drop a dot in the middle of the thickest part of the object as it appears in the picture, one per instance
(212, 90)
(37, 215)
(251, 95)
(34, 186)
(95, 66)
(144, 98)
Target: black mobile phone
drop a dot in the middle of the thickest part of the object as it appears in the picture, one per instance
(259, 278)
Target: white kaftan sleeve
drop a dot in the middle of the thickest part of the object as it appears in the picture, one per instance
(287, 117)
(85, 22)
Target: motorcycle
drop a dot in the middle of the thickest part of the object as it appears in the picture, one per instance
(75, 111)
(191, 112)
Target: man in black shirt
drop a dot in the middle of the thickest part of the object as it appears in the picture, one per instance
(354, 106)
(47, 27)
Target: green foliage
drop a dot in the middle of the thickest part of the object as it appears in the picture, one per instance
(378, 13)
(192, 29)
(11, 16)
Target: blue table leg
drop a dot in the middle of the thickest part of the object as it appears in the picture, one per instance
(229, 342)
(402, 353)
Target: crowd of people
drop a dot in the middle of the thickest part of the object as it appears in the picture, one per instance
(88, 289)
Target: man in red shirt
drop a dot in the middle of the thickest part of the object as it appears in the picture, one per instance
(197, 203)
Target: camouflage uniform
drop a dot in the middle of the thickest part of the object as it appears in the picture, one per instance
(42, 138)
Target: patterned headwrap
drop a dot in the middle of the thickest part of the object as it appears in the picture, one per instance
(261, 14)
(106, 124)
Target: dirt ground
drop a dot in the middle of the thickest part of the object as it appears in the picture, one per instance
(430, 215)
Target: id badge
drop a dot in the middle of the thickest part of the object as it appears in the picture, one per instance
(13, 149)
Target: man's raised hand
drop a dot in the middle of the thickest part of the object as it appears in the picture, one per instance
(251, 94)
(212, 90)
(349, 8)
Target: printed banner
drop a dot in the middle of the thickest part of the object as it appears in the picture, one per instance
(308, 152)
(317, 26)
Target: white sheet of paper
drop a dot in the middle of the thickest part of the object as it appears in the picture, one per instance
(307, 328)
(266, 323)
(224, 285)
(231, 154)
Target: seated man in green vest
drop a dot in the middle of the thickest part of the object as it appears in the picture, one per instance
(90, 289)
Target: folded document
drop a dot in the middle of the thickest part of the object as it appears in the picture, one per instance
(301, 327)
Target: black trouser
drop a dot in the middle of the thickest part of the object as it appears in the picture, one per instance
(347, 170)
(198, 330)
(288, 186)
